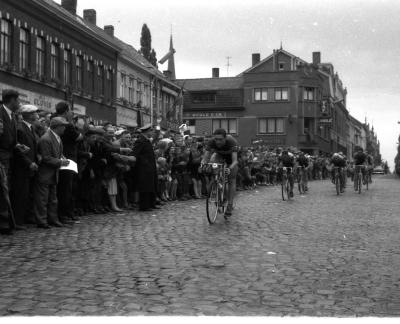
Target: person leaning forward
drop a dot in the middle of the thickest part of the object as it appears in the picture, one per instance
(50, 150)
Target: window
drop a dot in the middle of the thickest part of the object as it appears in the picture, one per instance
(79, 72)
(109, 83)
(23, 49)
(260, 94)
(100, 77)
(204, 98)
(308, 93)
(40, 50)
(90, 69)
(230, 125)
(67, 67)
(5, 42)
(131, 91)
(154, 94)
(139, 91)
(54, 61)
(270, 126)
(281, 93)
(122, 86)
(281, 66)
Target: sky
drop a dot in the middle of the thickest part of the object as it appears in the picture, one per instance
(360, 38)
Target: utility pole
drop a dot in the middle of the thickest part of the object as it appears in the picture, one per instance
(228, 65)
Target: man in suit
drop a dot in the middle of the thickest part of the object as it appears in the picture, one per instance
(26, 166)
(8, 143)
(50, 150)
(145, 172)
(70, 139)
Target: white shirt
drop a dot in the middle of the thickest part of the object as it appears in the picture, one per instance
(27, 124)
(9, 112)
(56, 135)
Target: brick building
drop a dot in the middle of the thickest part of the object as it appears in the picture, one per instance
(48, 54)
(279, 101)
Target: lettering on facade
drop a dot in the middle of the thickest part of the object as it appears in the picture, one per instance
(205, 115)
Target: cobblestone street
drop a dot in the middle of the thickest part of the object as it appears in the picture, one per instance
(319, 255)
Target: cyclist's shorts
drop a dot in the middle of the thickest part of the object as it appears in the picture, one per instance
(217, 158)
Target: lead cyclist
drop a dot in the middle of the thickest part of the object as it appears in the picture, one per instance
(223, 148)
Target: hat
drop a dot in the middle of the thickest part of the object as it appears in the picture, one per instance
(58, 121)
(93, 130)
(145, 128)
(26, 109)
(62, 107)
(7, 94)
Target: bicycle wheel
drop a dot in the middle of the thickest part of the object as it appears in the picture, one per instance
(284, 191)
(359, 182)
(288, 189)
(367, 182)
(337, 183)
(212, 202)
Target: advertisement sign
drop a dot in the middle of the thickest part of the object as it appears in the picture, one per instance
(204, 115)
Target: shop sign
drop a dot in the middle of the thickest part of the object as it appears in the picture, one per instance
(127, 117)
(205, 115)
(325, 121)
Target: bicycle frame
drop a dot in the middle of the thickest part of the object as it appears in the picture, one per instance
(217, 183)
(359, 177)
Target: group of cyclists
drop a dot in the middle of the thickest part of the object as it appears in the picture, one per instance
(223, 148)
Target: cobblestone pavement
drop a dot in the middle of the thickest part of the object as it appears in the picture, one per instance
(319, 255)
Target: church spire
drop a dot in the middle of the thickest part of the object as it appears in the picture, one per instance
(171, 61)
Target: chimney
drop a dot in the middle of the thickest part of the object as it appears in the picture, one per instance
(109, 29)
(316, 58)
(167, 74)
(215, 72)
(255, 58)
(90, 16)
(69, 5)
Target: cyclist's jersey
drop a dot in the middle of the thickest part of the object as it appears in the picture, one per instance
(338, 161)
(302, 161)
(360, 158)
(287, 160)
(225, 152)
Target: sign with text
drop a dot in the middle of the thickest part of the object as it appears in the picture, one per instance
(204, 115)
(325, 121)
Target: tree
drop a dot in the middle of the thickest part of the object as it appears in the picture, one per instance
(145, 46)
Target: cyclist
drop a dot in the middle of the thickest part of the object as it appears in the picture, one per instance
(360, 158)
(338, 160)
(302, 161)
(286, 159)
(223, 148)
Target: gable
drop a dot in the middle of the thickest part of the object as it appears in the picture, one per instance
(266, 66)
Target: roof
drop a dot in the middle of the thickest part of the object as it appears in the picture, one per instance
(211, 83)
(74, 19)
(268, 57)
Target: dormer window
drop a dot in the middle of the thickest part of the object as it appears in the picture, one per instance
(281, 66)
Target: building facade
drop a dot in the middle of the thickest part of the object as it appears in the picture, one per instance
(279, 101)
(48, 54)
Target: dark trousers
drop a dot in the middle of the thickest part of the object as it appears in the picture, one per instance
(65, 195)
(6, 214)
(45, 204)
(147, 200)
(22, 198)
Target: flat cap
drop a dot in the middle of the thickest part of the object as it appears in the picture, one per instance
(58, 121)
(25, 109)
(145, 128)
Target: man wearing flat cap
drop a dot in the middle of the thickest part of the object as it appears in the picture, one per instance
(8, 143)
(27, 165)
(145, 171)
(50, 149)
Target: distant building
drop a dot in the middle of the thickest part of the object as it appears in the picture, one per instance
(279, 101)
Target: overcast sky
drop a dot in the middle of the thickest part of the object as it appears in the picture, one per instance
(360, 38)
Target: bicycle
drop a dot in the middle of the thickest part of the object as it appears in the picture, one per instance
(359, 178)
(337, 180)
(285, 184)
(216, 199)
(301, 179)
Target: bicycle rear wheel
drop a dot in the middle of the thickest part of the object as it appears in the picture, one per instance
(337, 183)
(212, 202)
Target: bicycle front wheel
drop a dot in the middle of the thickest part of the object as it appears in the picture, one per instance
(284, 192)
(212, 202)
(359, 182)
